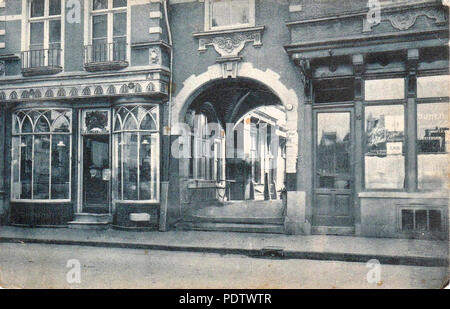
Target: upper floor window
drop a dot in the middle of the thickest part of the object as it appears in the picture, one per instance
(225, 14)
(44, 34)
(108, 31)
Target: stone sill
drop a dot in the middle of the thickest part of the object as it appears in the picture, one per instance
(227, 31)
(404, 195)
(105, 66)
(41, 71)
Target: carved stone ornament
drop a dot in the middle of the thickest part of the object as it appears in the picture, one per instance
(230, 43)
(406, 19)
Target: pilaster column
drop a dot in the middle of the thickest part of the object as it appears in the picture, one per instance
(358, 166)
(411, 121)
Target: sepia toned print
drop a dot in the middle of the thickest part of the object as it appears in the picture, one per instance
(224, 144)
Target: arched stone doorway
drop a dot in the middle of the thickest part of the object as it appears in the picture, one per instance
(227, 101)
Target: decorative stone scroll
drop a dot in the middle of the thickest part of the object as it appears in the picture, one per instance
(406, 19)
(229, 43)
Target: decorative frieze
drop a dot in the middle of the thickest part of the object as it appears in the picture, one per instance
(153, 87)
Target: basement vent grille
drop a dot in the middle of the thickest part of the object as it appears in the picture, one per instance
(421, 220)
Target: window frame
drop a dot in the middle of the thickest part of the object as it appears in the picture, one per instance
(208, 17)
(425, 101)
(115, 158)
(109, 12)
(33, 134)
(46, 18)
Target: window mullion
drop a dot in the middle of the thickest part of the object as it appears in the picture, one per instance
(138, 164)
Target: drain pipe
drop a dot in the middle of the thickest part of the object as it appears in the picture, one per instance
(165, 184)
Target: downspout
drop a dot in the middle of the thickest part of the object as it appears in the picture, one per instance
(164, 205)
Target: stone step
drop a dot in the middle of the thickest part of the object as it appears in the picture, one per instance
(237, 220)
(89, 225)
(93, 218)
(231, 227)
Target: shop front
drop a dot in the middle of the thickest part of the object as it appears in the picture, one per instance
(77, 165)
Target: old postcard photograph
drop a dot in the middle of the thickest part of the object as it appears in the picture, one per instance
(224, 144)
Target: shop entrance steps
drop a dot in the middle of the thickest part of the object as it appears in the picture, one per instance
(230, 227)
(91, 221)
(236, 216)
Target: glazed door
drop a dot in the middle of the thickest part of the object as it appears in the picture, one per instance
(95, 162)
(333, 177)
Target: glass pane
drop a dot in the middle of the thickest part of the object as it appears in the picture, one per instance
(384, 89)
(15, 165)
(27, 127)
(118, 173)
(100, 4)
(333, 150)
(55, 7)
(130, 156)
(37, 8)
(37, 35)
(60, 166)
(433, 140)
(130, 123)
(120, 24)
(433, 86)
(220, 10)
(240, 11)
(119, 3)
(42, 125)
(60, 121)
(99, 26)
(148, 165)
(148, 123)
(41, 172)
(55, 31)
(384, 158)
(26, 163)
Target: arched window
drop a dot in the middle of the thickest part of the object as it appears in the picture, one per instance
(41, 154)
(136, 147)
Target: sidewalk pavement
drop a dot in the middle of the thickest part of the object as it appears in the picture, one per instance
(315, 247)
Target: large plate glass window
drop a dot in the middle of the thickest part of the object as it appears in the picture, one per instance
(384, 147)
(41, 148)
(136, 146)
(433, 139)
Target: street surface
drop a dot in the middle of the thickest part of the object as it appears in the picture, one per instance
(45, 266)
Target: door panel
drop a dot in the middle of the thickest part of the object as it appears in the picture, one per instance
(333, 175)
(96, 174)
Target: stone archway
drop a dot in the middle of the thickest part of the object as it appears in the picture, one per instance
(196, 85)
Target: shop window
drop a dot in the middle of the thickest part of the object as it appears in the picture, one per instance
(384, 147)
(41, 154)
(224, 14)
(421, 220)
(136, 146)
(384, 89)
(433, 146)
(433, 86)
(44, 35)
(108, 37)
